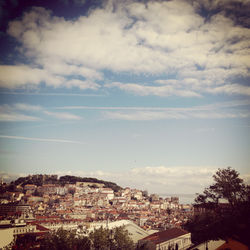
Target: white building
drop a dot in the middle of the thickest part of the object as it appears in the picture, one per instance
(108, 192)
(135, 232)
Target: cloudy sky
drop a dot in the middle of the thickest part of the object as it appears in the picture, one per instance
(149, 94)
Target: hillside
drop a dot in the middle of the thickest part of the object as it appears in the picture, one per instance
(40, 180)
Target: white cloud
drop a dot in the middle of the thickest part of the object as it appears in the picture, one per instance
(15, 76)
(246, 178)
(159, 179)
(27, 107)
(143, 90)
(214, 106)
(39, 139)
(162, 179)
(160, 38)
(10, 113)
(231, 109)
(231, 89)
(8, 177)
(82, 84)
(205, 112)
(153, 115)
(63, 115)
(60, 67)
(25, 112)
(15, 117)
(143, 115)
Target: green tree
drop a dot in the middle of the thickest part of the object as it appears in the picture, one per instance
(217, 222)
(65, 240)
(145, 245)
(115, 239)
(100, 238)
(122, 241)
(228, 186)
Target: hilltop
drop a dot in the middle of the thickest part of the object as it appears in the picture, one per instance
(40, 179)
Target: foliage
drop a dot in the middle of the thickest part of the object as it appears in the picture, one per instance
(122, 239)
(222, 221)
(227, 186)
(27, 241)
(145, 245)
(99, 239)
(65, 240)
(73, 179)
(115, 239)
(67, 179)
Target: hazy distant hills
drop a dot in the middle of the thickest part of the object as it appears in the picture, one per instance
(40, 180)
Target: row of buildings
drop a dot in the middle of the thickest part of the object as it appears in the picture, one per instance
(32, 209)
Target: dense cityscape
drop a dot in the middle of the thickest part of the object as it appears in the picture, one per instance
(47, 212)
(72, 205)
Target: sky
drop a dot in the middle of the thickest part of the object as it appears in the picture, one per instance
(152, 95)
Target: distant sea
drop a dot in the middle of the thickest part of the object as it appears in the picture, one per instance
(183, 198)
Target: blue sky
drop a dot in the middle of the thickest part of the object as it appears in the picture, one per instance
(149, 94)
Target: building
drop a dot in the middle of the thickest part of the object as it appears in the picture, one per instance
(170, 239)
(211, 207)
(31, 187)
(89, 184)
(12, 208)
(9, 231)
(108, 192)
(211, 244)
(135, 232)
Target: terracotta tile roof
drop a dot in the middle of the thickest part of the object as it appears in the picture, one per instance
(233, 244)
(41, 228)
(166, 235)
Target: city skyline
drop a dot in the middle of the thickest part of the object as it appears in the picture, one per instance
(148, 94)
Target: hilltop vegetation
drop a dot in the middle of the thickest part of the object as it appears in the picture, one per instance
(40, 180)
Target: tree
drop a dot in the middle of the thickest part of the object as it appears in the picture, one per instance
(115, 239)
(100, 238)
(232, 220)
(169, 211)
(122, 241)
(228, 186)
(65, 240)
(145, 245)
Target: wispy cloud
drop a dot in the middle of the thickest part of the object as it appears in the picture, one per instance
(63, 116)
(27, 107)
(11, 113)
(8, 177)
(230, 89)
(30, 93)
(39, 139)
(144, 90)
(213, 106)
(147, 115)
(143, 115)
(15, 117)
(25, 112)
(220, 110)
(160, 179)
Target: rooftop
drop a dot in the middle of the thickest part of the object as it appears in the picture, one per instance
(166, 235)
